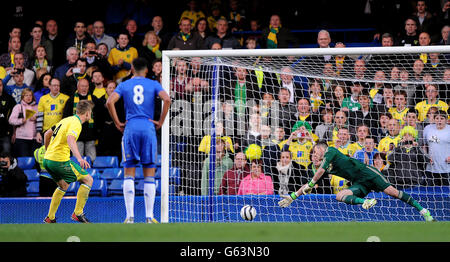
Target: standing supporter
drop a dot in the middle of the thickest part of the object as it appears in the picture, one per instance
(40, 61)
(88, 135)
(425, 18)
(367, 153)
(277, 36)
(7, 103)
(324, 130)
(192, 13)
(79, 38)
(121, 56)
(388, 143)
(222, 164)
(287, 175)
(285, 112)
(300, 143)
(53, 34)
(437, 141)
(214, 17)
(97, 81)
(287, 81)
(181, 84)
(14, 47)
(19, 65)
(110, 138)
(96, 61)
(340, 121)
(16, 89)
(72, 56)
(201, 28)
(23, 118)
(400, 110)
(350, 103)
(431, 101)
(99, 35)
(256, 183)
(233, 177)
(338, 96)
(73, 76)
(367, 114)
(42, 86)
(150, 48)
(135, 40)
(410, 36)
(305, 113)
(407, 160)
(161, 31)
(50, 107)
(38, 39)
(185, 39)
(222, 36)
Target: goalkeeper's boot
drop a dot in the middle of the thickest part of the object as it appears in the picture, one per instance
(129, 220)
(151, 220)
(80, 218)
(368, 203)
(426, 214)
(47, 220)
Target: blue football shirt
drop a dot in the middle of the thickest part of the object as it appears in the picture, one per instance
(139, 94)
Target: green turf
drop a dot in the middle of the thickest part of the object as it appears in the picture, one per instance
(230, 232)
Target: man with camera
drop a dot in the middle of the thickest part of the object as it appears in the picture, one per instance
(14, 181)
(15, 90)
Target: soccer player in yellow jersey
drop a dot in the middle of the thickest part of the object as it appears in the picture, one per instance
(51, 107)
(432, 100)
(400, 110)
(59, 141)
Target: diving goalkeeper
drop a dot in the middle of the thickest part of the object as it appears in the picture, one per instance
(364, 179)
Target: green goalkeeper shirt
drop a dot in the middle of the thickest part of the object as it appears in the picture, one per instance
(334, 162)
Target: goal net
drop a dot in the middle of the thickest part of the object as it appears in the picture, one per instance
(243, 123)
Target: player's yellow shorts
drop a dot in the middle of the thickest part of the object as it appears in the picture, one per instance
(68, 171)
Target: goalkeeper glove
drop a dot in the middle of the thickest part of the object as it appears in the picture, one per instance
(308, 188)
(287, 200)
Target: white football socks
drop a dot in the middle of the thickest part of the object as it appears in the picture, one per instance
(128, 195)
(149, 195)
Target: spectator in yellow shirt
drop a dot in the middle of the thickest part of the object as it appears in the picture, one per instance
(121, 56)
(432, 100)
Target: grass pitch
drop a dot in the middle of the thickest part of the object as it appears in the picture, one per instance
(229, 232)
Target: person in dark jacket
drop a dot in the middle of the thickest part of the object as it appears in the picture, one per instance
(287, 176)
(185, 39)
(13, 180)
(277, 36)
(7, 103)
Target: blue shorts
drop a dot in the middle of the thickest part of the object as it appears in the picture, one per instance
(139, 144)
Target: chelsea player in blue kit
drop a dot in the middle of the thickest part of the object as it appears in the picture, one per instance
(139, 143)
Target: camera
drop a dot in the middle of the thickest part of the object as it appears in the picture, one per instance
(92, 52)
(76, 70)
(3, 164)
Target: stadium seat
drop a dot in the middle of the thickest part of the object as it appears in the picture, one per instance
(93, 172)
(26, 162)
(32, 174)
(102, 162)
(174, 175)
(112, 173)
(140, 187)
(33, 189)
(72, 189)
(116, 187)
(99, 188)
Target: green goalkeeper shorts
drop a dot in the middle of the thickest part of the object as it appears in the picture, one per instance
(68, 171)
(376, 182)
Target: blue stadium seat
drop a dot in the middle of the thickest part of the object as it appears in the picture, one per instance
(32, 174)
(33, 189)
(139, 190)
(102, 162)
(116, 187)
(174, 175)
(112, 173)
(99, 188)
(93, 172)
(72, 189)
(26, 162)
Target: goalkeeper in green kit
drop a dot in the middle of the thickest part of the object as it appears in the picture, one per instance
(364, 179)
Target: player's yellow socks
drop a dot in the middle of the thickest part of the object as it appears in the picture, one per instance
(82, 196)
(56, 200)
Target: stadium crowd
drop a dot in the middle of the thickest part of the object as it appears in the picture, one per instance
(401, 129)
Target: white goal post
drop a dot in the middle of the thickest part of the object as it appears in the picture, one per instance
(306, 64)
